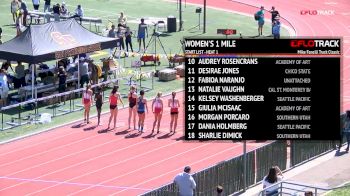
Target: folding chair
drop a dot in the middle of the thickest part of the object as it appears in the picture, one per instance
(161, 24)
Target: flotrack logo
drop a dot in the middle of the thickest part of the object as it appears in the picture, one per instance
(314, 43)
(317, 12)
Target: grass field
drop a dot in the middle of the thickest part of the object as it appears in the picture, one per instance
(340, 192)
(109, 10)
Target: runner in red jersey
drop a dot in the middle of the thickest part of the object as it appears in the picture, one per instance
(113, 105)
(174, 105)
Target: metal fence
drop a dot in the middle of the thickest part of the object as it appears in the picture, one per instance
(57, 104)
(270, 155)
(229, 174)
(302, 151)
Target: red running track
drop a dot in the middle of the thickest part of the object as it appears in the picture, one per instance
(77, 160)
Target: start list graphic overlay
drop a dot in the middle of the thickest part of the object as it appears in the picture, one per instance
(262, 89)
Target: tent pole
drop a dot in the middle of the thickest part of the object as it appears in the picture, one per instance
(33, 78)
(78, 72)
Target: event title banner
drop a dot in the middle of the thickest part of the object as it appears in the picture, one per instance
(262, 89)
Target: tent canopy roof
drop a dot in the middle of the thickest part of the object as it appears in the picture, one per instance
(55, 40)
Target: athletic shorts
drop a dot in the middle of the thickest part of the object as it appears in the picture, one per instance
(99, 107)
(140, 112)
(131, 105)
(112, 107)
(173, 113)
(86, 101)
(261, 23)
(157, 110)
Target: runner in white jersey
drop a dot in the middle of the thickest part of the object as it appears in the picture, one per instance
(157, 109)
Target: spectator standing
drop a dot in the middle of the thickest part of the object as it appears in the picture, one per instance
(261, 20)
(47, 5)
(120, 36)
(24, 10)
(0, 35)
(18, 24)
(36, 4)
(274, 15)
(56, 12)
(4, 87)
(98, 103)
(275, 175)
(346, 130)
(276, 28)
(84, 71)
(185, 182)
(128, 35)
(111, 34)
(14, 9)
(27, 77)
(64, 9)
(122, 20)
(62, 79)
(79, 13)
(94, 71)
(20, 75)
(141, 34)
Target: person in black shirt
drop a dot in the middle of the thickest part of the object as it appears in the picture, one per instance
(23, 6)
(62, 78)
(98, 103)
(274, 14)
(56, 11)
(0, 35)
(47, 5)
(128, 42)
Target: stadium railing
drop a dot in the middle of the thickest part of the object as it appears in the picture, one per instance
(229, 174)
(302, 151)
(29, 112)
(298, 189)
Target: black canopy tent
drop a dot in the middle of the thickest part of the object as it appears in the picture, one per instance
(51, 41)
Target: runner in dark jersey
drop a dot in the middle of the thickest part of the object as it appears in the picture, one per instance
(141, 108)
(98, 103)
(132, 97)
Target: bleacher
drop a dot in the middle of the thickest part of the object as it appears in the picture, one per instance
(43, 17)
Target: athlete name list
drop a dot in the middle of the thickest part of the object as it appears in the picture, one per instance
(241, 98)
